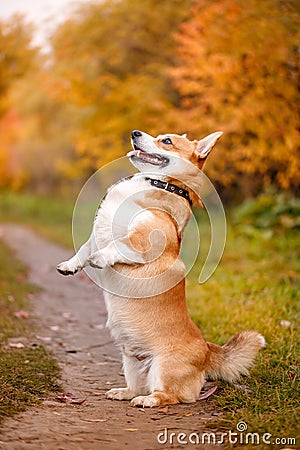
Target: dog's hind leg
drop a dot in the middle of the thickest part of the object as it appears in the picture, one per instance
(136, 378)
(181, 384)
(77, 262)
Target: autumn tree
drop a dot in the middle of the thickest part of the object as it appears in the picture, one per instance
(73, 109)
(111, 61)
(238, 71)
(17, 58)
(17, 55)
(193, 66)
(44, 148)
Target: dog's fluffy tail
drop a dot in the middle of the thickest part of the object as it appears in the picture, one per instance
(234, 359)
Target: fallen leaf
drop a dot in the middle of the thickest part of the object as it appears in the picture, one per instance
(21, 278)
(78, 402)
(285, 323)
(68, 397)
(95, 420)
(164, 410)
(22, 314)
(43, 338)
(291, 375)
(208, 393)
(68, 315)
(98, 327)
(188, 415)
(17, 345)
(244, 388)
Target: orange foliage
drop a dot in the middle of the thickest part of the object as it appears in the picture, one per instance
(193, 66)
(111, 61)
(11, 172)
(238, 71)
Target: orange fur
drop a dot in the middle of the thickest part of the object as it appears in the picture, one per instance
(165, 356)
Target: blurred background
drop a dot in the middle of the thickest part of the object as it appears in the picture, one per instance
(76, 78)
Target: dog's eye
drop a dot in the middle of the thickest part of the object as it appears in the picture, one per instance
(167, 141)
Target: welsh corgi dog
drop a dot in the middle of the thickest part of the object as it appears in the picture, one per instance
(134, 253)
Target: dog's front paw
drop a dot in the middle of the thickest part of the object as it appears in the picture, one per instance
(146, 401)
(97, 261)
(68, 267)
(119, 394)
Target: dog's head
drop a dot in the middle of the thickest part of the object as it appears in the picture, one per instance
(167, 153)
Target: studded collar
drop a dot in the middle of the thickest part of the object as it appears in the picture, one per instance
(170, 188)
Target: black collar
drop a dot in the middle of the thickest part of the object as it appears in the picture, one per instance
(171, 188)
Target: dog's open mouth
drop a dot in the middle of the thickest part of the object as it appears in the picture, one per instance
(150, 158)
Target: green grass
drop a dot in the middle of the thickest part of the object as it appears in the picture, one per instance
(52, 217)
(26, 374)
(256, 286)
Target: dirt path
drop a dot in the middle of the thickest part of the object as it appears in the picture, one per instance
(71, 315)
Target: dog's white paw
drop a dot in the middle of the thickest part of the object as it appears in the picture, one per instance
(119, 394)
(69, 267)
(97, 261)
(146, 401)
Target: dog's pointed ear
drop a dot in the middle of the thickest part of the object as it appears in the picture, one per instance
(205, 145)
(184, 135)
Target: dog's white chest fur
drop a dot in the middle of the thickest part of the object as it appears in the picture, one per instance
(119, 209)
(120, 212)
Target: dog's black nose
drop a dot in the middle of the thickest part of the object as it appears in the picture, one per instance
(136, 133)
